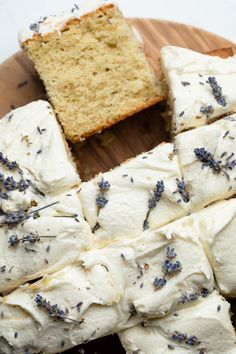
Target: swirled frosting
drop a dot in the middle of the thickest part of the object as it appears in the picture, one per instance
(111, 289)
(204, 326)
(194, 102)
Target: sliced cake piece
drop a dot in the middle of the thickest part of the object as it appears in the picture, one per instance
(219, 223)
(31, 136)
(93, 67)
(42, 227)
(207, 159)
(201, 326)
(144, 192)
(42, 240)
(112, 289)
(201, 87)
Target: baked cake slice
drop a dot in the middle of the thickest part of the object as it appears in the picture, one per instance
(93, 67)
(207, 159)
(201, 326)
(112, 289)
(42, 227)
(142, 193)
(201, 87)
(219, 222)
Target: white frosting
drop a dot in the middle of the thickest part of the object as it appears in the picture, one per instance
(208, 319)
(57, 22)
(219, 223)
(70, 236)
(107, 283)
(184, 65)
(44, 156)
(204, 185)
(131, 186)
(52, 173)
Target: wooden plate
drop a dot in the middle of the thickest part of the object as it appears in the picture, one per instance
(19, 84)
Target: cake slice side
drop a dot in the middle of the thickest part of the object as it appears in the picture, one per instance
(94, 71)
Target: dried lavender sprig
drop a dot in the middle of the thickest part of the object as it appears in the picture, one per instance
(216, 90)
(170, 268)
(193, 340)
(10, 165)
(54, 311)
(14, 240)
(183, 337)
(20, 215)
(10, 184)
(178, 336)
(104, 185)
(14, 218)
(182, 189)
(101, 201)
(207, 110)
(186, 299)
(3, 196)
(217, 166)
(152, 202)
(208, 159)
(170, 252)
(159, 283)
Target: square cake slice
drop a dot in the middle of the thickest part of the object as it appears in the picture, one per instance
(207, 159)
(219, 222)
(31, 137)
(202, 327)
(93, 67)
(143, 193)
(201, 87)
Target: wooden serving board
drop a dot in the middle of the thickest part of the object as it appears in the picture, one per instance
(19, 84)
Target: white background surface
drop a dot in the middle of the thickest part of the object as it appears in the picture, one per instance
(217, 16)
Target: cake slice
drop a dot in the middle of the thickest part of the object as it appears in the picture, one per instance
(207, 159)
(219, 222)
(114, 288)
(42, 227)
(201, 86)
(201, 326)
(48, 237)
(142, 193)
(31, 136)
(93, 67)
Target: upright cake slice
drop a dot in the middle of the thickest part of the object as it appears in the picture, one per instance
(201, 327)
(201, 87)
(93, 67)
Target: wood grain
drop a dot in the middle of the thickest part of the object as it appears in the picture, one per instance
(19, 84)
